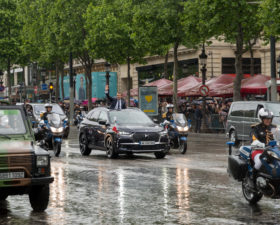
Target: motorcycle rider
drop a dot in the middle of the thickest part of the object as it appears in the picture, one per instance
(169, 114)
(48, 108)
(261, 135)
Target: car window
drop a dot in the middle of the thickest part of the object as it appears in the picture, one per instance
(11, 122)
(237, 109)
(103, 116)
(94, 115)
(89, 114)
(41, 108)
(130, 117)
(250, 110)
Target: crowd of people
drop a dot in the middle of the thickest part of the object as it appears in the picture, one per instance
(216, 111)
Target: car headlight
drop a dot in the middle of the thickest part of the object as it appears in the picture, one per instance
(42, 160)
(124, 133)
(273, 154)
(56, 130)
(162, 133)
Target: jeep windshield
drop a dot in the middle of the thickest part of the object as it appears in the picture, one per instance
(130, 117)
(11, 122)
(41, 108)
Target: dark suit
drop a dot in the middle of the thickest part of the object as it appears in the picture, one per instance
(114, 102)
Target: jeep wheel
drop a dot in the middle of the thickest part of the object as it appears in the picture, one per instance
(160, 155)
(3, 196)
(39, 197)
(110, 148)
(84, 149)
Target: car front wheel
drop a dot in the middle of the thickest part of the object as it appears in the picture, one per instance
(39, 197)
(110, 148)
(84, 149)
(160, 155)
(3, 196)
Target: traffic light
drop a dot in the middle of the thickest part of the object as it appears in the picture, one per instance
(51, 87)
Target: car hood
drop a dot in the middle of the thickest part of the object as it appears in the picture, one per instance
(15, 147)
(134, 128)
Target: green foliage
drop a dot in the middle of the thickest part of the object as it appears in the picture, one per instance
(9, 33)
(111, 31)
(269, 14)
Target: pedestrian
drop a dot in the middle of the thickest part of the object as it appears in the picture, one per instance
(116, 103)
(198, 118)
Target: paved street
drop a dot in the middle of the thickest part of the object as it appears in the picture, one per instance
(180, 189)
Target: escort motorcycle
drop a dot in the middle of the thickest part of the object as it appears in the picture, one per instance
(50, 133)
(267, 179)
(178, 131)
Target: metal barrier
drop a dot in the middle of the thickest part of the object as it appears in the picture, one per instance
(215, 123)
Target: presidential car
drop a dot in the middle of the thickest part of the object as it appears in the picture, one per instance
(124, 131)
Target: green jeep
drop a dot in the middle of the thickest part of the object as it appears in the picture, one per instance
(24, 167)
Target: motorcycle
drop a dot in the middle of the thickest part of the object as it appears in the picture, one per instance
(267, 179)
(78, 118)
(178, 131)
(51, 132)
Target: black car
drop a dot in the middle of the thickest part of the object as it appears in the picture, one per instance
(122, 131)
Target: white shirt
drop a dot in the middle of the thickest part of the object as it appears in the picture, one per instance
(118, 105)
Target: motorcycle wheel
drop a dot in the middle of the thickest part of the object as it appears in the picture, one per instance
(57, 149)
(183, 147)
(251, 196)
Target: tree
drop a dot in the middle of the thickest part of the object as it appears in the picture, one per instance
(9, 36)
(230, 21)
(111, 32)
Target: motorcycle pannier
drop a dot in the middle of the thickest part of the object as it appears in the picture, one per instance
(237, 168)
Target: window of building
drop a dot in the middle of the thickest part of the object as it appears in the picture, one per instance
(228, 65)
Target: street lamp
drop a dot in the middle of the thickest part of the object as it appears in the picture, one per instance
(203, 63)
(210, 53)
(278, 62)
(107, 70)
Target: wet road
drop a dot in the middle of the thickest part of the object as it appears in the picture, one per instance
(180, 189)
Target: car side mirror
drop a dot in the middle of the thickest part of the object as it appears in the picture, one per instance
(102, 122)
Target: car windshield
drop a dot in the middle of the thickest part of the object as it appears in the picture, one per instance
(11, 122)
(41, 108)
(130, 117)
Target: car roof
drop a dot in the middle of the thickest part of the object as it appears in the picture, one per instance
(20, 107)
(109, 110)
(257, 102)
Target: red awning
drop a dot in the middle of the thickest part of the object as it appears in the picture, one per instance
(252, 85)
(183, 83)
(213, 84)
(158, 83)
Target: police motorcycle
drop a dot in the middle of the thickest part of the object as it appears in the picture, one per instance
(50, 133)
(267, 179)
(177, 129)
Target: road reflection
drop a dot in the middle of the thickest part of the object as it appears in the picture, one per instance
(183, 194)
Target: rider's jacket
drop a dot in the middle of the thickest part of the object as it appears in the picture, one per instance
(45, 115)
(262, 133)
(168, 116)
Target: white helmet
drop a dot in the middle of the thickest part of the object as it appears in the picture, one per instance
(265, 114)
(48, 105)
(170, 106)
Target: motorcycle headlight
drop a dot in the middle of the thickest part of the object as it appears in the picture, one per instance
(56, 130)
(180, 128)
(273, 154)
(42, 160)
(124, 133)
(186, 128)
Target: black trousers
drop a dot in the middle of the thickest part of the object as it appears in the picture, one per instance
(197, 125)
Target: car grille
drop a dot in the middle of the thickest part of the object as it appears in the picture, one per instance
(148, 136)
(14, 161)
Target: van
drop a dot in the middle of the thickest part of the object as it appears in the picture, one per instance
(242, 115)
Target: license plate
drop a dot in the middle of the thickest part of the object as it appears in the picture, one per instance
(11, 175)
(147, 142)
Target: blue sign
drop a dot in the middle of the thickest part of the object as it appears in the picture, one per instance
(44, 87)
(148, 99)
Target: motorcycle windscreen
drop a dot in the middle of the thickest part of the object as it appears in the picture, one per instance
(54, 120)
(180, 119)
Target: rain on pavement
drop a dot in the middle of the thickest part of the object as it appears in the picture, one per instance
(181, 189)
